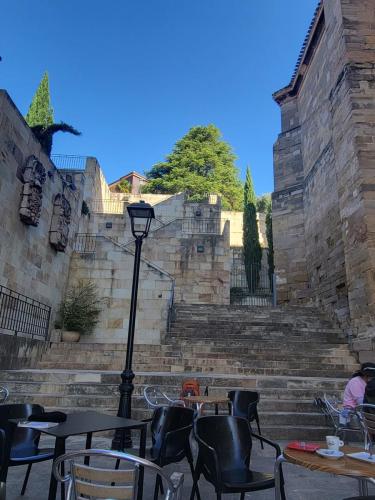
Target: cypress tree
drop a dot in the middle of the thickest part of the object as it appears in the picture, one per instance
(251, 246)
(40, 110)
(269, 234)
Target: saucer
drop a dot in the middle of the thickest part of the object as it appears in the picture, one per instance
(330, 454)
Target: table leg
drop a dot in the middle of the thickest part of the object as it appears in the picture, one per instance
(277, 474)
(216, 409)
(88, 446)
(142, 454)
(59, 450)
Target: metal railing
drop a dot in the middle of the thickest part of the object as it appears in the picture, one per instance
(69, 162)
(253, 286)
(107, 206)
(22, 315)
(201, 225)
(85, 243)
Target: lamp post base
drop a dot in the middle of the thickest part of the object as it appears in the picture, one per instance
(122, 439)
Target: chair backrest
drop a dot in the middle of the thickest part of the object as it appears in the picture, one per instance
(155, 397)
(244, 403)
(170, 430)
(190, 387)
(366, 413)
(224, 444)
(21, 438)
(103, 483)
(4, 394)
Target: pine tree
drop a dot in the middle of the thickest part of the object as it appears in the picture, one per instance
(200, 163)
(40, 111)
(251, 246)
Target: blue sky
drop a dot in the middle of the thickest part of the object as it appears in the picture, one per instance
(134, 75)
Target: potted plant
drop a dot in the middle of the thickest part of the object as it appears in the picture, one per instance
(79, 311)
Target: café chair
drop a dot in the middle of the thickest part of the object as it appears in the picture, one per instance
(329, 408)
(366, 415)
(245, 404)
(155, 397)
(85, 481)
(170, 431)
(4, 394)
(225, 444)
(21, 444)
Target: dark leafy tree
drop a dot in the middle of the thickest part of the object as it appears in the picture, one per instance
(251, 246)
(269, 234)
(45, 134)
(200, 163)
(40, 111)
(264, 203)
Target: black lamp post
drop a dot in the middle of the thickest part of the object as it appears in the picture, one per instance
(141, 215)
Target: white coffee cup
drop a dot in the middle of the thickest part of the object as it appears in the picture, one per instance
(334, 443)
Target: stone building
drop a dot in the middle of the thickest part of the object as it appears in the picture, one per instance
(324, 198)
(135, 180)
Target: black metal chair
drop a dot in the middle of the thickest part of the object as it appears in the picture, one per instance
(245, 404)
(225, 444)
(170, 430)
(21, 444)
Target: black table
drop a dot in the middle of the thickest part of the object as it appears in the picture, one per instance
(88, 422)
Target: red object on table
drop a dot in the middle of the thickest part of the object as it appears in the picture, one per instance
(303, 446)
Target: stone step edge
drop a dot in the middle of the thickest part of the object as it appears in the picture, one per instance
(175, 374)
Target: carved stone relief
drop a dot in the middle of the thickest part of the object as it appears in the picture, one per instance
(33, 176)
(61, 216)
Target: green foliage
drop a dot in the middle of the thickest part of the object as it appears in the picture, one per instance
(45, 134)
(40, 110)
(124, 186)
(251, 246)
(264, 203)
(269, 234)
(200, 163)
(81, 308)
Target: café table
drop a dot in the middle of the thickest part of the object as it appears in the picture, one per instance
(200, 401)
(88, 422)
(361, 471)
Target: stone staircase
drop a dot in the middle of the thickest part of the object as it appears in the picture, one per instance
(288, 354)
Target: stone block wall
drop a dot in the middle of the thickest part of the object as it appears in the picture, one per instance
(329, 110)
(28, 263)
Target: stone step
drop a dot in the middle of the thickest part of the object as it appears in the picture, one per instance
(340, 371)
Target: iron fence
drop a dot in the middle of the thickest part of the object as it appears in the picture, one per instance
(107, 206)
(22, 315)
(201, 225)
(253, 286)
(85, 243)
(69, 162)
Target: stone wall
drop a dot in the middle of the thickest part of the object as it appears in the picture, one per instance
(324, 215)
(29, 264)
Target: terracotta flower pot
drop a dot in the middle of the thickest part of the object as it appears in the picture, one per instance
(70, 336)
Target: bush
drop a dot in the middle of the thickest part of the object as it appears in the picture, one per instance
(81, 308)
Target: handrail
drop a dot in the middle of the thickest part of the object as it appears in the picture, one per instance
(22, 314)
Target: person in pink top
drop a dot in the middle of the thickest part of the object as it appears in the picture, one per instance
(355, 389)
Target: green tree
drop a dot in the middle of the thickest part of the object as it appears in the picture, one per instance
(40, 110)
(124, 186)
(269, 234)
(251, 246)
(264, 203)
(200, 163)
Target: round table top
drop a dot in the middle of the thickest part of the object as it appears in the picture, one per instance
(344, 466)
(206, 399)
